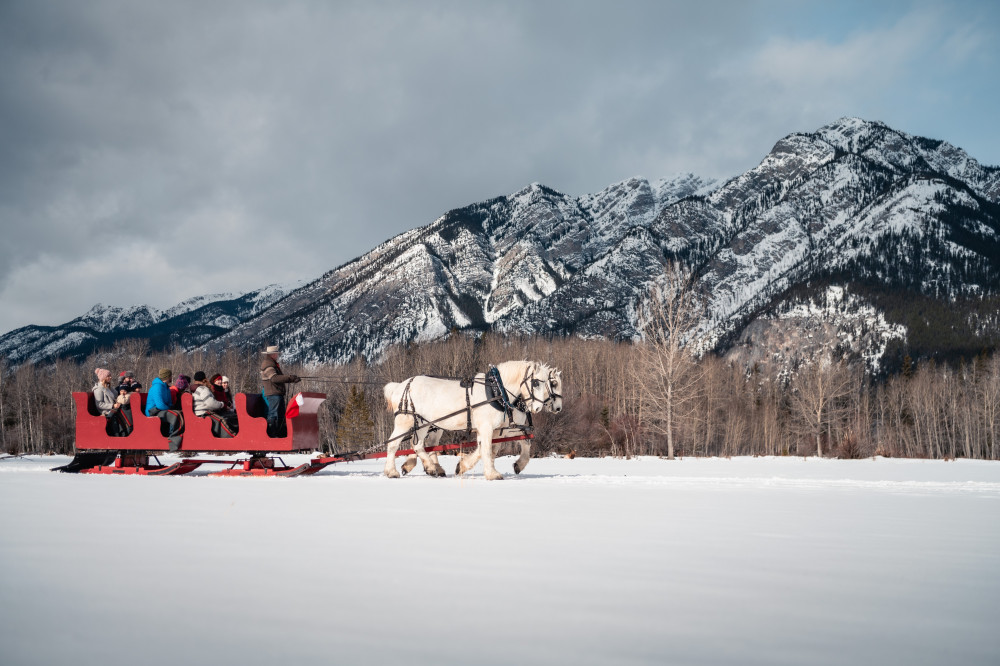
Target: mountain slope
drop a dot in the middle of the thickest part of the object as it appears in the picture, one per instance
(187, 324)
(857, 214)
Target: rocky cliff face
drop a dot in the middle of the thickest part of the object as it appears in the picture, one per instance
(856, 206)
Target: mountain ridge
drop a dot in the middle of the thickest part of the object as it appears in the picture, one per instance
(855, 206)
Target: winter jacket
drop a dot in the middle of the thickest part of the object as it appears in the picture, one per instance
(222, 396)
(175, 397)
(272, 381)
(204, 402)
(104, 398)
(159, 396)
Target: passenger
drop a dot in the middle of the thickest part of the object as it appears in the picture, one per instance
(180, 386)
(221, 392)
(110, 405)
(205, 404)
(126, 385)
(224, 383)
(127, 382)
(104, 397)
(159, 403)
(273, 389)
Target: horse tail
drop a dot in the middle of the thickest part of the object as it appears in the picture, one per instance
(387, 392)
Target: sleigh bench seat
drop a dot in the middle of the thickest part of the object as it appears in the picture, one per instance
(302, 420)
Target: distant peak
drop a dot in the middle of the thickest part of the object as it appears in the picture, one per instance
(849, 132)
(852, 122)
(536, 189)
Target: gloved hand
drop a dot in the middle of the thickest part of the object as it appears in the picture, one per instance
(296, 379)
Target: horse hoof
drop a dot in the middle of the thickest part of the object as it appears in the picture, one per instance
(517, 468)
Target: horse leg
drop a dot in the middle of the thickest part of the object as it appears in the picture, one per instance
(467, 461)
(429, 465)
(437, 464)
(525, 456)
(434, 439)
(435, 469)
(486, 448)
(402, 426)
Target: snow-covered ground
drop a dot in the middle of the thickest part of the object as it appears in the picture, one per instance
(742, 561)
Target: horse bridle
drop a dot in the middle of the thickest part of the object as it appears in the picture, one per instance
(552, 393)
(530, 382)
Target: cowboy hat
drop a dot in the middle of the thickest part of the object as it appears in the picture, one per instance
(273, 349)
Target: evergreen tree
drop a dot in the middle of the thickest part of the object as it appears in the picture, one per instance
(355, 430)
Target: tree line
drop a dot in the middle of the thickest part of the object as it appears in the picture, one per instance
(620, 399)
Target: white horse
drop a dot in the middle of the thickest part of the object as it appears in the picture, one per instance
(468, 461)
(421, 403)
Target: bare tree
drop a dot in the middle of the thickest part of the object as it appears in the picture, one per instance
(988, 404)
(816, 392)
(668, 374)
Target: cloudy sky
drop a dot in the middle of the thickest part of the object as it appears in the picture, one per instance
(154, 151)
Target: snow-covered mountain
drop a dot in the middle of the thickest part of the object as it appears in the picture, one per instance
(884, 219)
(187, 324)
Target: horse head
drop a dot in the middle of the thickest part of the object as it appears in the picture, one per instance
(536, 389)
(555, 391)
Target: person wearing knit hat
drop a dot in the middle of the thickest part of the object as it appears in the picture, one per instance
(220, 387)
(111, 405)
(215, 383)
(104, 396)
(127, 383)
(159, 403)
(181, 385)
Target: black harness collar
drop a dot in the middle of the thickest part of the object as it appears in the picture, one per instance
(496, 392)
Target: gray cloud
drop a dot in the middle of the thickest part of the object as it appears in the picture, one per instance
(223, 146)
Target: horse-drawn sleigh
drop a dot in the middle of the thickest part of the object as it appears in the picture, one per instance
(497, 405)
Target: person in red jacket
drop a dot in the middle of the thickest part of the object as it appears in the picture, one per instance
(180, 386)
(220, 392)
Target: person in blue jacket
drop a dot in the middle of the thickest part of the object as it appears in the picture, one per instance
(159, 404)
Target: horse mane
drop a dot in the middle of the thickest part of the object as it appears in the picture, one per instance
(512, 372)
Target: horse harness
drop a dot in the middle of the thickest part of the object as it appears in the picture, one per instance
(496, 396)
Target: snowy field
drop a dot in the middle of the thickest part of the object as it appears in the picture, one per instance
(742, 561)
